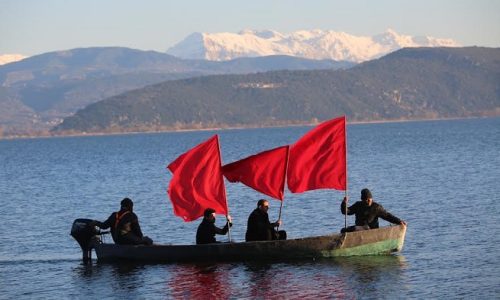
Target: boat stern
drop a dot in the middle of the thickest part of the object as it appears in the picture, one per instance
(379, 241)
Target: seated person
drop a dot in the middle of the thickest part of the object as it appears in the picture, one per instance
(367, 213)
(207, 230)
(259, 228)
(124, 225)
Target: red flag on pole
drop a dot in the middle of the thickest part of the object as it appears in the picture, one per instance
(197, 181)
(264, 172)
(318, 159)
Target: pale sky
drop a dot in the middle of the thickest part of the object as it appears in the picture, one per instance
(32, 27)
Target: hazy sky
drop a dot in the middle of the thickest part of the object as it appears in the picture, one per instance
(36, 26)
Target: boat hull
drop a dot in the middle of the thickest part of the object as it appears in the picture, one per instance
(369, 242)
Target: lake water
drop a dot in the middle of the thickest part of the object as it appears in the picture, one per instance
(442, 177)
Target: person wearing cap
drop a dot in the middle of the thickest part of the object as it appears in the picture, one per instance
(207, 230)
(367, 213)
(258, 227)
(124, 224)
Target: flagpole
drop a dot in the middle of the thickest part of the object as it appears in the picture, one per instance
(279, 216)
(346, 177)
(284, 181)
(224, 191)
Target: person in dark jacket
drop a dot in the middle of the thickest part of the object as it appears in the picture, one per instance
(207, 230)
(367, 213)
(124, 224)
(258, 227)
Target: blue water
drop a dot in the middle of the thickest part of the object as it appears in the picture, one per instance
(442, 177)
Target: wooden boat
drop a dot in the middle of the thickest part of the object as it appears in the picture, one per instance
(384, 240)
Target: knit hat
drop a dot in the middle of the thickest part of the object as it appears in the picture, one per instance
(365, 194)
(126, 203)
(208, 212)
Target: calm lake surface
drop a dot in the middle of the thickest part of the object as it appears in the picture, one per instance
(442, 177)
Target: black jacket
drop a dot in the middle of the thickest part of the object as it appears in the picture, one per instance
(125, 228)
(207, 230)
(368, 215)
(258, 227)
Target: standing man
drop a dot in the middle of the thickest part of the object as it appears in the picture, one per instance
(207, 230)
(367, 213)
(258, 227)
(125, 228)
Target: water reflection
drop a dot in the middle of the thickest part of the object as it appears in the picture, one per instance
(200, 281)
(83, 271)
(128, 278)
(340, 278)
(294, 281)
(371, 263)
(124, 279)
(374, 276)
(343, 278)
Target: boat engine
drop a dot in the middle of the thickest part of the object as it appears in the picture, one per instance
(86, 235)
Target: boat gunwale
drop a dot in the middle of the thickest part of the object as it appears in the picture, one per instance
(305, 247)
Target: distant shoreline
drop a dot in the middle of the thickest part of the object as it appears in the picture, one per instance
(84, 134)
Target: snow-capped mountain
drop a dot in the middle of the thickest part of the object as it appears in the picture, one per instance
(8, 58)
(313, 44)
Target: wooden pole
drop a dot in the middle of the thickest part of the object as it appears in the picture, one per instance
(279, 216)
(345, 215)
(228, 226)
(224, 191)
(284, 181)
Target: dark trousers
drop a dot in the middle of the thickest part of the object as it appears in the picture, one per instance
(132, 239)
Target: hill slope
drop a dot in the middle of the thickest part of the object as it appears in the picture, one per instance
(39, 91)
(411, 83)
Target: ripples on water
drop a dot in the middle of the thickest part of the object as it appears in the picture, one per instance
(442, 177)
(374, 277)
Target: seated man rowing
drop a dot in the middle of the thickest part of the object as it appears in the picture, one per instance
(367, 213)
(124, 224)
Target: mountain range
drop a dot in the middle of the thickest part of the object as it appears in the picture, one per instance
(38, 92)
(411, 83)
(312, 44)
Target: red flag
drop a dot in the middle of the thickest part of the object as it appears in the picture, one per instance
(318, 159)
(197, 181)
(264, 172)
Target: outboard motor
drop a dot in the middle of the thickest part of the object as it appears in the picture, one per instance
(85, 234)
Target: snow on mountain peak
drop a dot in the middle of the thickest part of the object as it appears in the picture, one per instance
(8, 58)
(313, 44)
(264, 34)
